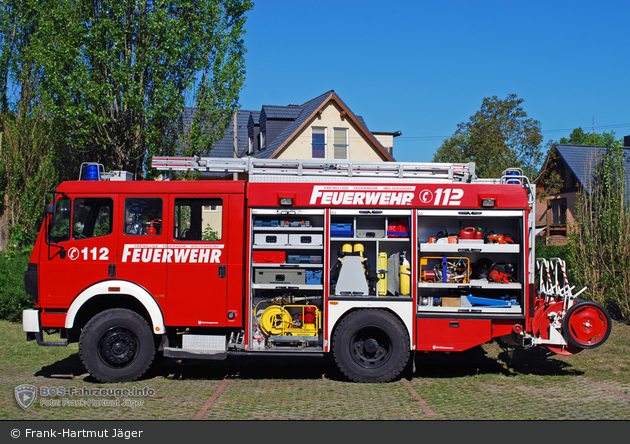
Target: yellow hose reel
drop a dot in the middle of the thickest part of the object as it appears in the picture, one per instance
(277, 320)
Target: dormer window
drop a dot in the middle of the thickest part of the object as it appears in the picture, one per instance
(318, 142)
(340, 143)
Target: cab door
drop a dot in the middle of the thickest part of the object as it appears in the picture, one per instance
(197, 269)
(142, 243)
(83, 248)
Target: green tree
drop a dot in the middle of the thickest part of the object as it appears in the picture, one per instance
(117, 72)
(26, 137)
(579, 137)
(497, 137)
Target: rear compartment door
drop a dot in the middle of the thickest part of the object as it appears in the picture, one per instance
(197, 269)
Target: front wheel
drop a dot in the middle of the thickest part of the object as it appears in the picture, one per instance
(117, 345)
(587, 324)
(371, 346)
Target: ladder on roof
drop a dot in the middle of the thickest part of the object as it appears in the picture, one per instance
(262, 170)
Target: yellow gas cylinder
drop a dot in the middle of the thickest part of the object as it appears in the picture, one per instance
(382, 274)
(405, 275)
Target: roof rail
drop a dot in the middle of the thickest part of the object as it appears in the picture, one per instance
(272, 170)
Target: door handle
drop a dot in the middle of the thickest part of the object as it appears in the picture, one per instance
(222, 271)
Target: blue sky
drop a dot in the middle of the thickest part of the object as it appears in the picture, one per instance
(423, 67)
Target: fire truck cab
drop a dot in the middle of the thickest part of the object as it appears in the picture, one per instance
(369, 261)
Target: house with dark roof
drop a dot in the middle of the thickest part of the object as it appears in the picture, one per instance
(575, 165)
(321, 128)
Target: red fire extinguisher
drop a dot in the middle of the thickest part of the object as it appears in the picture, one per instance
(151, 231)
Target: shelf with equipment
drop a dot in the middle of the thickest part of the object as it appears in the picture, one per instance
(286, 280)
(471, 261)
(367, 250)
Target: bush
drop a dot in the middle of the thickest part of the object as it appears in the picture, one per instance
(13, 297)
(548, 251)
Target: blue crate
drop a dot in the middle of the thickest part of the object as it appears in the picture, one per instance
(341, 230)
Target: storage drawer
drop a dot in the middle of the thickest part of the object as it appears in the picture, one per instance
(271, 239)
(275, 276)
(305, 239)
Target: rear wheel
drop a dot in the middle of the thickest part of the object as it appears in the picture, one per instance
(371, 346)
(117, 345)
(587, 324)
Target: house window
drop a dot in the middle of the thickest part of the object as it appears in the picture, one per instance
(263, 140)
(250, 148)
(319, 143)
(341, 143)
(559, 211)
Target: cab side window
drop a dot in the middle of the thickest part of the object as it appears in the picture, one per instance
(92, 217)
(143, 216)
(60, 226)
(198, 219)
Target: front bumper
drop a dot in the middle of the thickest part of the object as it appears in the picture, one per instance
(33, 327)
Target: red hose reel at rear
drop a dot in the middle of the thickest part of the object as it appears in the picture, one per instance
(563, 323)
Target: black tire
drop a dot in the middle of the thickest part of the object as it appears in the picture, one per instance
(371, 346)
(117, 345)
(586, 324)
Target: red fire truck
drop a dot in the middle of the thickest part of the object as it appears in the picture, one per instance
(372, 262)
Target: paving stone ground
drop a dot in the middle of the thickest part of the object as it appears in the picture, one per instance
(469, 386)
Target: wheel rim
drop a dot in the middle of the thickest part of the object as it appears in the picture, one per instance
(370, 347)
(587, 325)
(118, 347)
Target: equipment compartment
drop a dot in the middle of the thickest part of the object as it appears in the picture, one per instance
(471, 261)
(374, 258)
(286, 280)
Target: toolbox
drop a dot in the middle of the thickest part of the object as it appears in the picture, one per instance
(369, 227)
(295, 223)
(276, 276)
(269, 257)
(306, 239)
(303, 259)
(341, 230)
(266, 223)
(271, 239)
